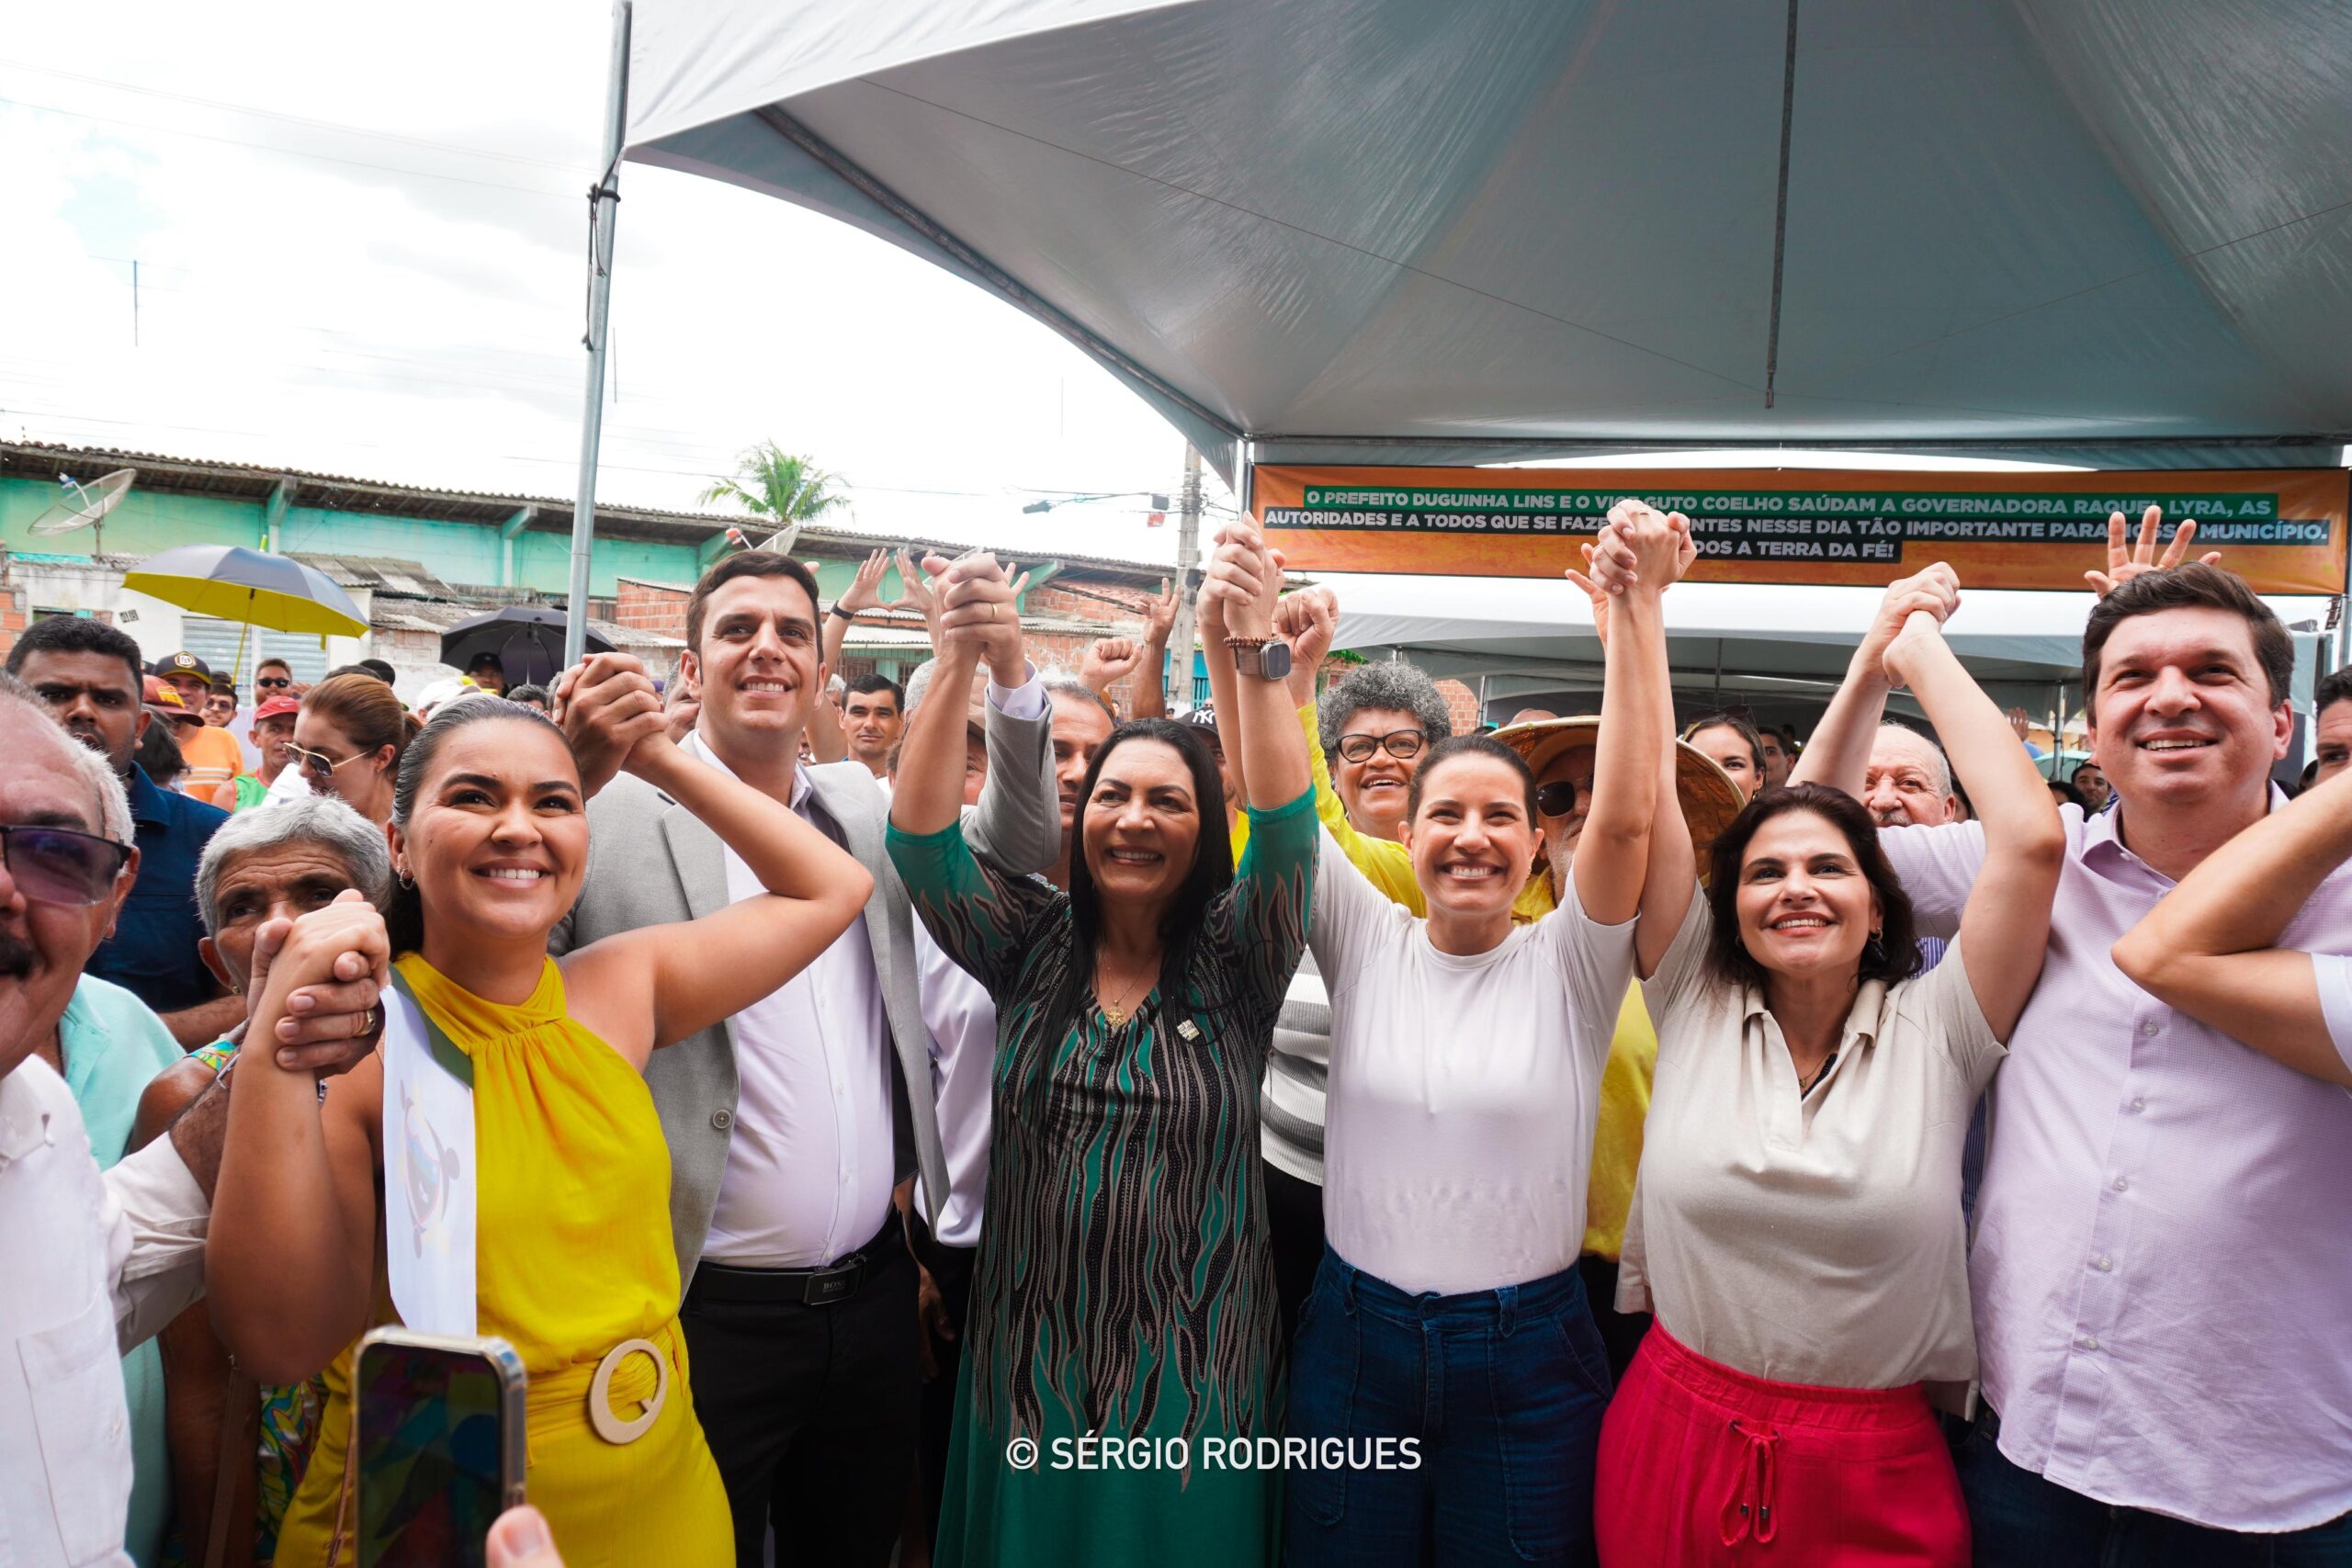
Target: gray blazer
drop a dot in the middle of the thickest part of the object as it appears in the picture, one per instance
(651, 861)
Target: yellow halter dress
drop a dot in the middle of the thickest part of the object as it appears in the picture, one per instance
(573, 1259)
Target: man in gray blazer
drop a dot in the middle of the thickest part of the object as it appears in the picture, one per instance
(790, 1125)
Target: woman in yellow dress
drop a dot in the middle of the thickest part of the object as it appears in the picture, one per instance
(573, 1256)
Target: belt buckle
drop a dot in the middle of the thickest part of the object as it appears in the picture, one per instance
(609, 1427)
(833, 1286)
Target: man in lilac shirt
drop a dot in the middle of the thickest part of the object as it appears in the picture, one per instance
(2162, 1268)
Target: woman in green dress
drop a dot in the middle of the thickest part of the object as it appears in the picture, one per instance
(1121, 1352)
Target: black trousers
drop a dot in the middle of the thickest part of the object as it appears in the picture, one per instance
(810, 1412)
(951, 1270)
(1295, 1230)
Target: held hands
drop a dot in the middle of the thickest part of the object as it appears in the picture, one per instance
(324, 960)
(611, 714)
(2123, 566)
(1934, 591)
(978, 616)
(1920, 632)
(1637, 546)
(1238, 583)
(330, 1026)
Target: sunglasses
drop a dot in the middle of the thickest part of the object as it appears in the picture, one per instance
(1556, 799)
(272, 683)
(60, 865)
(1402, 744)
(317, 765)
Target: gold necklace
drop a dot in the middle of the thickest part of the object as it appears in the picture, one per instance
(1113, 1014)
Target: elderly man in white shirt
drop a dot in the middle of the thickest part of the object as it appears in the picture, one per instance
(115, 1257)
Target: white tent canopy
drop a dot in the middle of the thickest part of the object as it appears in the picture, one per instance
(2107, 231)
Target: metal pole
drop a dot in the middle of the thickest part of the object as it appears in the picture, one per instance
(603, 201)
(1188, 554)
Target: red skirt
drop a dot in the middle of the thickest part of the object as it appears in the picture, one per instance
(1702, 1465)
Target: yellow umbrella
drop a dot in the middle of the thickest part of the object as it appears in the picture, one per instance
(233, 583)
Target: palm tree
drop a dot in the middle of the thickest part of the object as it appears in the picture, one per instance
(773, 483)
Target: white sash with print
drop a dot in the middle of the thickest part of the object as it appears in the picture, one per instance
(429, 1169)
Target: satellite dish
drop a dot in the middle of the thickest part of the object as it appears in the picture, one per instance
(85, 506)
(781, 543)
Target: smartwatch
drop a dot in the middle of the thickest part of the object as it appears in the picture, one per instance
(1267, 661)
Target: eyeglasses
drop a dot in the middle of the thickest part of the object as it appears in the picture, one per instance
(272, 683)
(317, 765)
(59, 866)
(1557, 798)
(1402, 744)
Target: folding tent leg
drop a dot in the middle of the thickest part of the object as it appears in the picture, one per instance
(603, 202)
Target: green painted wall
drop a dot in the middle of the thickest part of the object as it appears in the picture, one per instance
(148, 522)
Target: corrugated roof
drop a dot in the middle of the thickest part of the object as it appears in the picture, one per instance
(343, 492)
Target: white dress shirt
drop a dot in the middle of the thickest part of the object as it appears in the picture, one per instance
(961, 1020)
(2163, 1261)
(812, 1160)
(1462, 1089)
(112, 1258)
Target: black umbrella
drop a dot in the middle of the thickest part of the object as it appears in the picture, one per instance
(527, 639)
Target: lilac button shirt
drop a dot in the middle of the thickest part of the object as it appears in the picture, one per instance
(2163, 1263)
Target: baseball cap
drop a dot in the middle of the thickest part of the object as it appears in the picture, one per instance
(184, 664)
(276, 707)
(163, 700)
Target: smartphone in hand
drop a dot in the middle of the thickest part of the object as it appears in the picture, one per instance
(437, 1434)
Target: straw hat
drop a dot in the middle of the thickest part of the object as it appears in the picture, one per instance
(1709, 800)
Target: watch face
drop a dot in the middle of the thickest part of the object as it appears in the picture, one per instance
(1274, 660)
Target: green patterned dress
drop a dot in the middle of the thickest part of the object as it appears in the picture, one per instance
(1124, 1291)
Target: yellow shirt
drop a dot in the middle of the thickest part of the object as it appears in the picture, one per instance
(1632, 1051)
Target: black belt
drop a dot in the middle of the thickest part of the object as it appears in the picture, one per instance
(836, 1281)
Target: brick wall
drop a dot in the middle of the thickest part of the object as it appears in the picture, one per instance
(1463, 703)
(654, 608)
(15, 616)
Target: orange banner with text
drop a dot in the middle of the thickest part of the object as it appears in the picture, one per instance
(2283, 530)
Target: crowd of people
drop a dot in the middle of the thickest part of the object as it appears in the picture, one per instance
(993, 1120)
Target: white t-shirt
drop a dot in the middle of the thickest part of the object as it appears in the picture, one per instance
(1809, 1238)
(1462, 1089)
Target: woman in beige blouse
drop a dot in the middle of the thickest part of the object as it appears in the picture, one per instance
(1797, 1226)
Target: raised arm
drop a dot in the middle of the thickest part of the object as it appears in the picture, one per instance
(864, 592)
(2004, 927)
(1613, 852)
(2210, 947)
(977, 623)
(645, 988)
(1238, 605)
(1159, 626)
(1671, 878)
(1838, 754)
(289, 1258)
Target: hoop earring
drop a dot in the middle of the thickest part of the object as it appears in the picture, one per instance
(1874, 951)
(408, 883)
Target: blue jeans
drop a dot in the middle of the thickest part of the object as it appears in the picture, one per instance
(2020, 1520)
(1501, 1393)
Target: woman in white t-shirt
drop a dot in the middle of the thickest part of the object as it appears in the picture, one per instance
(1796, 1226)
(1447, 1377)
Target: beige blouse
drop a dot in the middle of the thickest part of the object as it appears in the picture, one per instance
(1809, 1239)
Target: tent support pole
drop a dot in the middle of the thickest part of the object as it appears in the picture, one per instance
(1188, 554)
(603, 199)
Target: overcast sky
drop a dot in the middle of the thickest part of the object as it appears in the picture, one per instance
(361, 234)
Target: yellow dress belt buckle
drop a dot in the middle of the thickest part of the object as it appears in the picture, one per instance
(609, 1427)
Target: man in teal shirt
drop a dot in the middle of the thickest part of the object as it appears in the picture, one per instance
(111, 1045)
